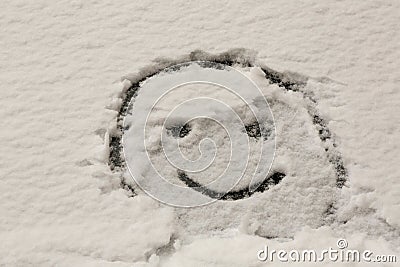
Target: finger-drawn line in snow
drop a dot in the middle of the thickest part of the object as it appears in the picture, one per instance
(284, 80)
(324, 133)
(270, 181)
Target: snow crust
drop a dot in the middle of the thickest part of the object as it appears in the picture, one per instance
(61, 64)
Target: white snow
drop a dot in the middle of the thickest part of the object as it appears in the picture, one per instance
(60, 67)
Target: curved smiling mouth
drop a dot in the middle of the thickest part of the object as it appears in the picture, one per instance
(269, 182)
(285, 81)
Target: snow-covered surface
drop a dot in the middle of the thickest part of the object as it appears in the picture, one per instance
(217, 146)
(61, 63)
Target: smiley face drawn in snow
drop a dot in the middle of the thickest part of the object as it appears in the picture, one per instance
(265, 156)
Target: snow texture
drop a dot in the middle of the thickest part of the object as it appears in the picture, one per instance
(61, 63)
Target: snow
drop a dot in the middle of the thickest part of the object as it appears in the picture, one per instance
(61, 64)
(221, 161)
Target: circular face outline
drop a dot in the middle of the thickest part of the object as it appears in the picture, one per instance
(197, 72)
